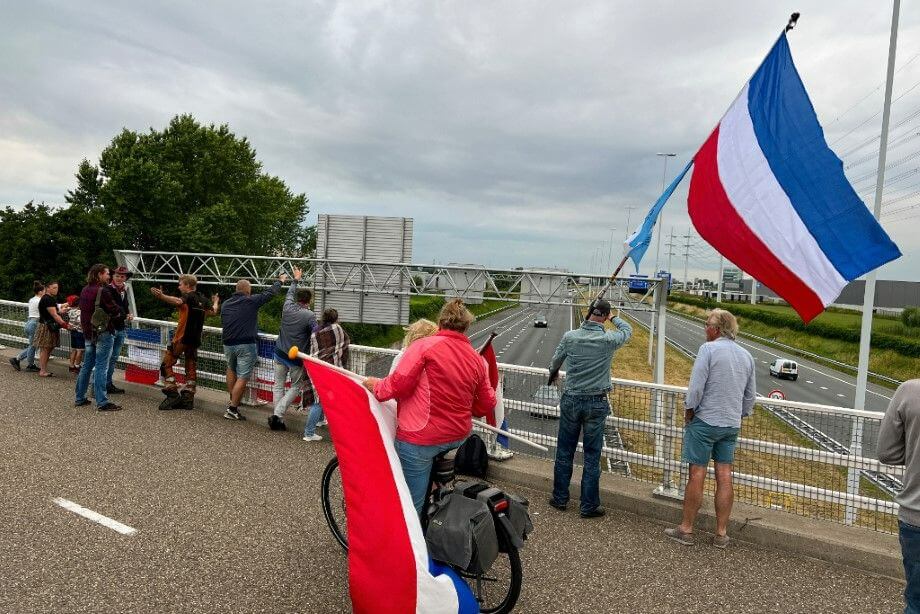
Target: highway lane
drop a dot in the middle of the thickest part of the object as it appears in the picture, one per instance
(520, 343)
(816, 383)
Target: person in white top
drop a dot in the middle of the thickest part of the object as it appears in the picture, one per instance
(28, 354)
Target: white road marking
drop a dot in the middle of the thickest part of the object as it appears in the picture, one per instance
(823, 387)
(808, 381)
(764, 362)
(840, 395)
(94, 516)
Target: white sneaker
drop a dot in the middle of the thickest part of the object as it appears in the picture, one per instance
(500, 454)
(323, 422)
(313, 437)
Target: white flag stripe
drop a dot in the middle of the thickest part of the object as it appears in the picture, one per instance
(94, 516)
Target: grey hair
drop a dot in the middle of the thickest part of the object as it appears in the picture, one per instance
(724, 322)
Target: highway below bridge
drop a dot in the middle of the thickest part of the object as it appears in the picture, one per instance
(520, 343)
(815, 384)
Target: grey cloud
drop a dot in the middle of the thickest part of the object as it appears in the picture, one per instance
(516, 133)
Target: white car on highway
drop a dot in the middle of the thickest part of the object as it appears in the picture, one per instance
(783, 367)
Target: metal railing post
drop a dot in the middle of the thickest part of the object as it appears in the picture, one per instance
(854, 474)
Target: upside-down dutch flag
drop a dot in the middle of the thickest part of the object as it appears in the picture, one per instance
(497, 416)
(769, 194)
(389, 571)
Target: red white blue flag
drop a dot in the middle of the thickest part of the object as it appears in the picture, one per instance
(496, 417)
(769, 194)
(389, 571)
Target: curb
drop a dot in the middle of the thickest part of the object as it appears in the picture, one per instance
(858, 548)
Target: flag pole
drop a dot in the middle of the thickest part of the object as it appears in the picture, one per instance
(865, 336)
(295, 353)
(554, 373)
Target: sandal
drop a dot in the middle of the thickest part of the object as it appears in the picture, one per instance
(46, 375)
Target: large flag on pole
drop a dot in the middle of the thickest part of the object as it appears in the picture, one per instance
(389, 571)
(497, 416)
(641, 237)
(769, 194)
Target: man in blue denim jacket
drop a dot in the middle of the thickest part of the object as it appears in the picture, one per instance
(587, 352)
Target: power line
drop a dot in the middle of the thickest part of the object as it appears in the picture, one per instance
(874, 115)
(875, 89)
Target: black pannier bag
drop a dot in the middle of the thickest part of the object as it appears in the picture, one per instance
(516, 521)
(461, 532)
(472, 457)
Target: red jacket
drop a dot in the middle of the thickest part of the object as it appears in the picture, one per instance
(439, 385)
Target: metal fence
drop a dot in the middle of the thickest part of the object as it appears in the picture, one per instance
(812, 460)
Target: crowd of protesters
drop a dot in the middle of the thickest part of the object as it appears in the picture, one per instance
(438, 379)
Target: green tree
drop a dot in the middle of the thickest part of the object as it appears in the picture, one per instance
(39, 242)
(187, 187)
(192, 188)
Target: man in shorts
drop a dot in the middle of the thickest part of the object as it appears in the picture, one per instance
(722, 390)
(193, 308)
(239, 318)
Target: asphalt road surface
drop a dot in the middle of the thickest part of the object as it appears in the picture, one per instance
(227, 519)
(816, 383)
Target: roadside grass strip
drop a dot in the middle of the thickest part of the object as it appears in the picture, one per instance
(94, 516)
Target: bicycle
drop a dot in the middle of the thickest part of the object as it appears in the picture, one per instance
(498, 588)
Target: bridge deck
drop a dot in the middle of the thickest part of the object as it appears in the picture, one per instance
(228, 519)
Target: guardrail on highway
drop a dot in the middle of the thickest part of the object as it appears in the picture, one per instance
(776, 466)
(795, 350)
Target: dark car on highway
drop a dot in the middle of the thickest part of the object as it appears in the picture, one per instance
(540, 321)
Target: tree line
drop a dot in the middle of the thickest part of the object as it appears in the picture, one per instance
(189, 187)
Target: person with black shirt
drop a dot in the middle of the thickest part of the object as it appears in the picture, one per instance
(47, 336)
(193, 308)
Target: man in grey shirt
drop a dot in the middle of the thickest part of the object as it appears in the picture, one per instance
(297, 324)
(899, 444)
(722, 390)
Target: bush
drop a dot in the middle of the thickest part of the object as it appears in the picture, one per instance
(907, 347)
(911, 317)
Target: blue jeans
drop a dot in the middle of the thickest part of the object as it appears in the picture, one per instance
(242, 359)
(909, 536)
(119, 340)
(577, 413)
(29, 352)
(416, 464)
(96, 357)
(315, 417)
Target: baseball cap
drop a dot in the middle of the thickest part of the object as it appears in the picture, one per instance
(601, 308)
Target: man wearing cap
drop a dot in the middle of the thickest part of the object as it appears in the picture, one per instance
(586, 352)
(120, 292)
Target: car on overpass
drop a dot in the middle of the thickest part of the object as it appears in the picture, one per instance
(784, 367)
(540, 321)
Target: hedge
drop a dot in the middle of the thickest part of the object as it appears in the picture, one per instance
(907, 347)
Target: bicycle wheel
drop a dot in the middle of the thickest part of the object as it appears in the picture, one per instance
(333, 497)
(498, 589)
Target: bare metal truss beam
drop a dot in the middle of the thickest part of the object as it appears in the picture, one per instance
(535, 287)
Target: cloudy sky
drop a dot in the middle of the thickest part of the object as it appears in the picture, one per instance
(514, 133)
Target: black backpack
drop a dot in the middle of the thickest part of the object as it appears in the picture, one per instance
(472, 457)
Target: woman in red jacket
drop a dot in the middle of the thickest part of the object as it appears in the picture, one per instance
(439, 385)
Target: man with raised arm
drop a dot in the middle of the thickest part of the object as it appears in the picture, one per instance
(240, 320)
(193, 308)
(297, 324)
(587, 353)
